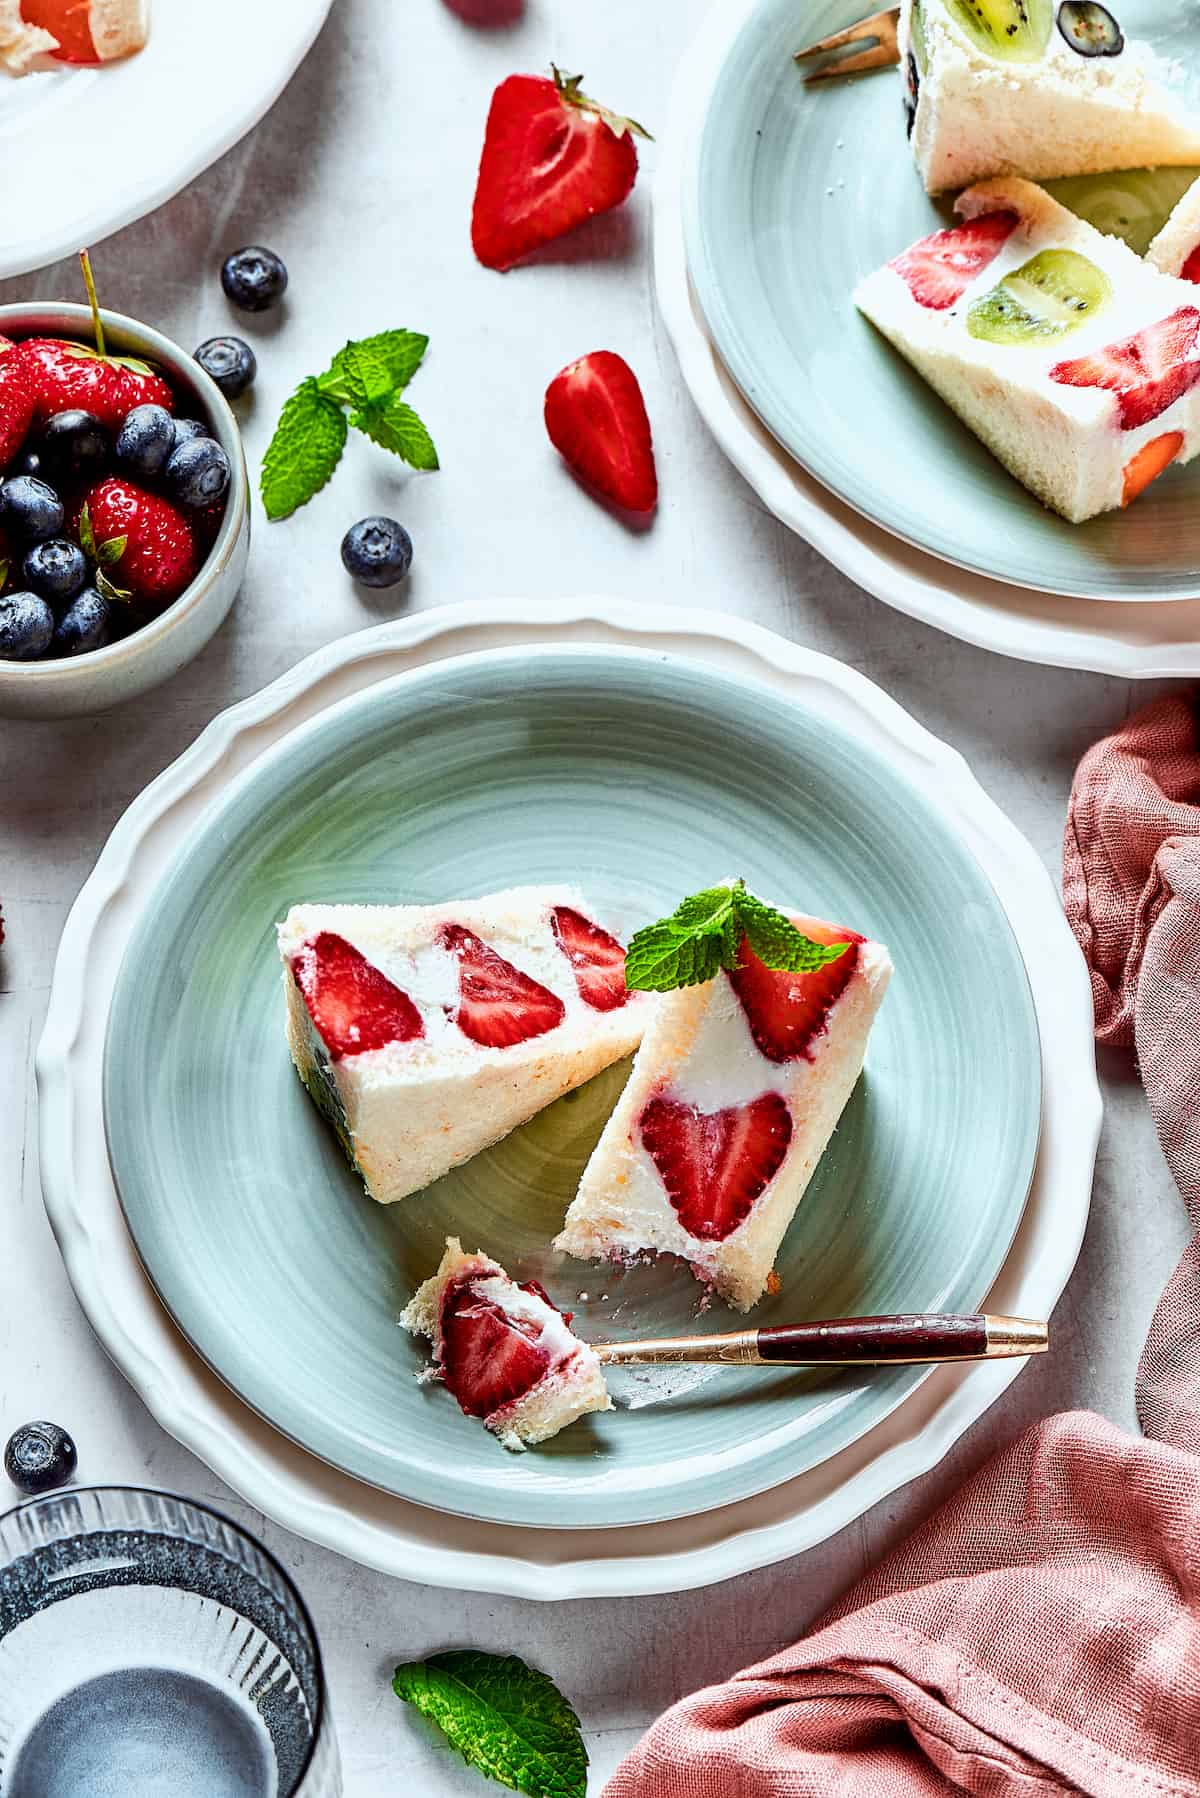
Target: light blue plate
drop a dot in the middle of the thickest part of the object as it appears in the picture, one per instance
(643, 778)
(793, 195)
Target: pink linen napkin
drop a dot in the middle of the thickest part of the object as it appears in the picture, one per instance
(1041, 1634)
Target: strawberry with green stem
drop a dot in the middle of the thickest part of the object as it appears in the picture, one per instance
(65, 375)
(142, 546)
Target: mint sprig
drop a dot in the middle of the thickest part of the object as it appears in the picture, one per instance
(503, 1716)
(705, 933)
(364, 379)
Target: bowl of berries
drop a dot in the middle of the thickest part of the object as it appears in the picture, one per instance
(124, 509)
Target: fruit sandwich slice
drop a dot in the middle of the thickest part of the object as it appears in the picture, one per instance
(733, 1097)
(1176, 249)
(1076, 362)
(504, 1351)
(425, 1033)
(1033, 87)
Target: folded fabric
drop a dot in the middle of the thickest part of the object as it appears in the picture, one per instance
(1041, 1634)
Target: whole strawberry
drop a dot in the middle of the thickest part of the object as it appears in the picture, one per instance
(596, 419)
(65, 376)
(143, 546)
(551, 159)
(16, 403)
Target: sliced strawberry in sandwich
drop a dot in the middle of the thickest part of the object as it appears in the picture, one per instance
(1148, 372)
(498, 1006)
(786, 1012)
(90, 31)
(597, 959)
(488, 1359)
(354, 1007)
(716, 1164)
(939, 269)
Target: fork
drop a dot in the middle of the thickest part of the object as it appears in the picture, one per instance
(847, 1341)
(878, 33)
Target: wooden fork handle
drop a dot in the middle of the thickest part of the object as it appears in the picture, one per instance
(906, 1338)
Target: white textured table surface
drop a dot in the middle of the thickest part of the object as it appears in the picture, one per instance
(362, 177)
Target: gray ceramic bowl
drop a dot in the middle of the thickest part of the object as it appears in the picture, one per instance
(105, 677)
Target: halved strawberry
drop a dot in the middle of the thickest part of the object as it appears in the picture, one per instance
(597, 959)
(488, 1359)
(16, 404)
(498, 1006)
(145, 547)
(788, 1012)
(1191, 268)
(1148, 372)
(1149, 463)
(551, 159)
(716, 1164)
(354, 1007)
(597, 421)
(66, 375)
(939, 269)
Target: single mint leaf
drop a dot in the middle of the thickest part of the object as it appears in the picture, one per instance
(659, 960)
(396, 427)
(362, 377)
(111, 551)
(305, 450)
(399, 353)
(777, 942)
(504, 1717)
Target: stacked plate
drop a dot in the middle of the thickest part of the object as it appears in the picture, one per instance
(236, 1272)
(773, 198)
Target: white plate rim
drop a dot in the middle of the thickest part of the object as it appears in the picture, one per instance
(404, 1539)
(1140, 639)
(132, 192)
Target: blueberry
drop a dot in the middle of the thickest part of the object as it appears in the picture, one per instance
(230, 362)
(377, 551)
(197, 474)
(39, 1457)
(74, 446)
(30, 508)
(26, 627)
(145, 440)
(57, 569)
(186, 429)
(254, 278)
(86, 624)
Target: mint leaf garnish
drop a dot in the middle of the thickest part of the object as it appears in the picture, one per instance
(395, 426)
(397, 353)
(365, 377)
(504, 1717)
(705, 933)
(305, 450)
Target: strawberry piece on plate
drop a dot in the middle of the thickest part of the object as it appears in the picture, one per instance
(90, 31)
(145, 547)
(1151, 460)
(551, 159)
(596, 418)
(1148, 372)
(354, 1007)
(597, 959)
(488, 1359)
(16, 404)
(939, 269)
(788, 1012)
(716, 1164)
(66, 375)
(497, 1004)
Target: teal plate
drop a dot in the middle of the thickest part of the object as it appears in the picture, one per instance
(793, 195)
(642, 778)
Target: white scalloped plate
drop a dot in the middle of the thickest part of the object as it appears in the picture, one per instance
(207, 75)
(1143, 641)
(405, 1539)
